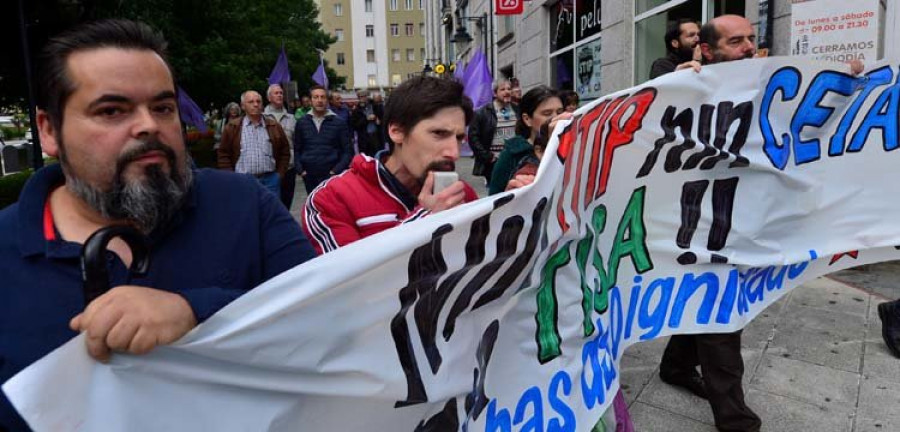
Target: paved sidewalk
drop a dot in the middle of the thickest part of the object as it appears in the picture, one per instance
(814, 361)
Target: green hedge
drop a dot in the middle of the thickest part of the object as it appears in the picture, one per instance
(202, 152)
(11, 186)
(11, 133)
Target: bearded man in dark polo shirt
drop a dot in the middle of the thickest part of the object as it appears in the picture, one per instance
(108, 111)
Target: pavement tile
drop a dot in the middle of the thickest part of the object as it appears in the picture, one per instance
(648, 418)
(879, 363)
(879, 279)
(878, 402)
(636, 373)
(839, 298)
(676, 400)
(818, 385)
(874, 322)
(760, 331)
(785, 414)
(871, 425)
(752, 359)
(652, 349)
(826, 338)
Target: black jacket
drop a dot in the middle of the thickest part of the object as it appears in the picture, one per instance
(481, 135)
(667, 64)
(322, 151)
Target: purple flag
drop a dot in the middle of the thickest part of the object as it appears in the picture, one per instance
(320, 76)
(477, 80)
(189, 112)
(460, 71)
(280, 73)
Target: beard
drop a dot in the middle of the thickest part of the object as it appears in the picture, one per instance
(719, 57)
(147, 202)
(685, 52)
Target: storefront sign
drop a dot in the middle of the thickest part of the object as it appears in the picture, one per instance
(508, 7)
(587, 18)
(835, 30)
(587, 59)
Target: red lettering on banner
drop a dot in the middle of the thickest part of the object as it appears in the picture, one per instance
(564, 153)
(619, 136)
(607, 116)
(509, 7)
(600, 127)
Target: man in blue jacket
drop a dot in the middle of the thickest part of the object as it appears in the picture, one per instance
(109, 112)
(321, 142)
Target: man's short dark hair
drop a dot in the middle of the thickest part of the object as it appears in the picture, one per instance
(673, 32)
(317, 87)
(421, 97)
(709, 34)
(56, 84)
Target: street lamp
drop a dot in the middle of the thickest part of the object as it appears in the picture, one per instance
(462, 38)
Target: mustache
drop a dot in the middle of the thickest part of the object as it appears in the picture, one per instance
(141, 150)
(445, 165)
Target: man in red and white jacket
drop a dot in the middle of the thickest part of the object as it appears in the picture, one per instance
(426, 120)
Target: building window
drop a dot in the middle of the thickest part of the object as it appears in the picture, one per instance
(396, 79)
(409, 4)
(410, 29)
(422, 29)
(370, 30)
(339, 34)
(370, 56)
(395, 54)
(421, 4)
(393, 5)
(338, 9)
(652, 17)
(422, 54)
(372, 81)
(340, 58)
(395, 30)
(368, 5)
(410, 55)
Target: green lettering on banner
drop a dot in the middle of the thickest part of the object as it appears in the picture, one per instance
(634, 245)
(547, 316)
(630, 242)
(598, 221)
(590, 301)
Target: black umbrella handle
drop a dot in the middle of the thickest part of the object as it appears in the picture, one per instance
(94, 271)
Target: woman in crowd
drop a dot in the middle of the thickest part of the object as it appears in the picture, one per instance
(537, 107)
(570, 100)
(231, 112)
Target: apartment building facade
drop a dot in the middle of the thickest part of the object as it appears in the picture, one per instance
(379, 44)
(597, 47)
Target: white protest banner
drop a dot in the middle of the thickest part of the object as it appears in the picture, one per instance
(835, 30)
(686, 205)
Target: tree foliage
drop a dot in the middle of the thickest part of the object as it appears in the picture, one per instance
(219, 48)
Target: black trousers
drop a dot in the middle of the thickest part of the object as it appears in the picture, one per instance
(720, 361)
(312, 179)
(288, 184)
